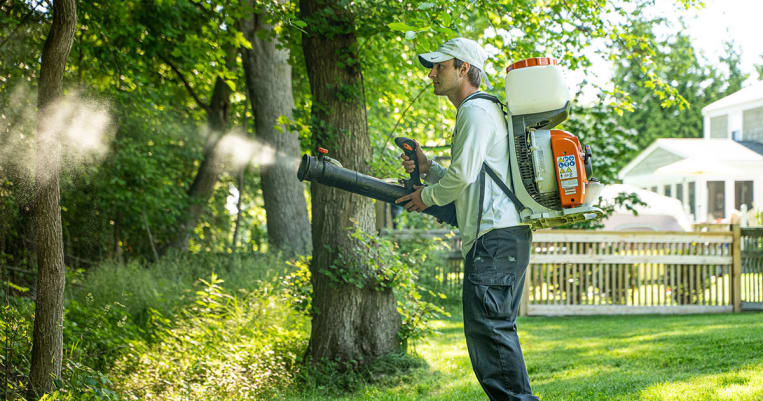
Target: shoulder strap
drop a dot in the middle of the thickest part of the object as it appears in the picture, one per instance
(490, 172)
(487, 96)
(504, 188)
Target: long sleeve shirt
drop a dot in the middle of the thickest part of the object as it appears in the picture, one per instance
(480, 136)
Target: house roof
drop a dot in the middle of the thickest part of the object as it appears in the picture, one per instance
(745, 95)
(755, 146)
(713, 150)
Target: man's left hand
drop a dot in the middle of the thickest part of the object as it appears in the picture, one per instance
(415, 204)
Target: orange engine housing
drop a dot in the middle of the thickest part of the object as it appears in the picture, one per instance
(570, 168)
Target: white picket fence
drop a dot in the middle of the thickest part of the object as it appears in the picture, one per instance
(574, 272)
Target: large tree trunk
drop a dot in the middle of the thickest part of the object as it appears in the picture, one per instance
(268, 79)
(349, 323)
(47, 340)
(211, 166)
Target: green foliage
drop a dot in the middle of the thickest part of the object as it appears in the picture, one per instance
(611, 143)
(131, 188)
(396, 269)
(96, 334)
(15, 336)
(118, 313)
(389, 266)
(136, 55)
(510, 31)
(162, 289)
(297, 286)
(382, 268)
(82, 382)
(223, 347)
(654, 114)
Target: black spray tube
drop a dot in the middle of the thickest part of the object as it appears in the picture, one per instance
(322, 171)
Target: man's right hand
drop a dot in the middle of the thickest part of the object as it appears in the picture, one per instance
(422, 158)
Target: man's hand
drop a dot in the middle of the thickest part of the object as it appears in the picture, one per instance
(422, 158)
(415, 204)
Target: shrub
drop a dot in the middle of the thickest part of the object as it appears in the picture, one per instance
(387, 267)
(163, 288)
(16, 339)
(222, 347)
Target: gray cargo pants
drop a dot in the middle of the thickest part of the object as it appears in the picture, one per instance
(493, 282)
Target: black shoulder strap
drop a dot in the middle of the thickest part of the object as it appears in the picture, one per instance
(487, 96)
(504, 188)
(490, 172)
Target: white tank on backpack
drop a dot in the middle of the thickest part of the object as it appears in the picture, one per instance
(535, 85)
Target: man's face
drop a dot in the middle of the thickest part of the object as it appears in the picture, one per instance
(445, 78)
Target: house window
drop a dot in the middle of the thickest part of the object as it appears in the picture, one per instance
(742, 194)
(716, 200)
(692, 199)
(680, 192)
(752, 124)
(668, 191)
(719, 127)
(654, 189)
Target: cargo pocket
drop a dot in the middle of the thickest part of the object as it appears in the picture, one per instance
(494, 289)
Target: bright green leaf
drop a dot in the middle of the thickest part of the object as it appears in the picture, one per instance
(401, 27)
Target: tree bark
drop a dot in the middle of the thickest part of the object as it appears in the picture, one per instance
(211, 166)
(47, 343)
(350, 324)
(268, 79)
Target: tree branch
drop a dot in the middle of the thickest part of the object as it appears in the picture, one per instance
(383, 148)
(188, 87)
(23, 20)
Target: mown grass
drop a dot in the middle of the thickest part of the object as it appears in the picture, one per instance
(693, 358)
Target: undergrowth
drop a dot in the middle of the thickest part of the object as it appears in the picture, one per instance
(175, 314)
(222, 347)
(195, 326)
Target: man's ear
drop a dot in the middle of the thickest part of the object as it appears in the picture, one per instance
(464, 69)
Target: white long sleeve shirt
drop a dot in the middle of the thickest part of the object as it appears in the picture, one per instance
(480, 136)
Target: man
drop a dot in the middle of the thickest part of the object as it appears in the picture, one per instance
(494, 243)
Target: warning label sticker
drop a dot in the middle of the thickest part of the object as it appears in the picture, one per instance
(566, 167)
(570, 183)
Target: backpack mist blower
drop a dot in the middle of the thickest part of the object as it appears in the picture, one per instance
(551, 180)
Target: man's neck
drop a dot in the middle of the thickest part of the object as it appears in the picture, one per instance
(463, 93)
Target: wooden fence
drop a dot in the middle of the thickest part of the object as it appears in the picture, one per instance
(597, 272)
(752, 268)
(574, 272)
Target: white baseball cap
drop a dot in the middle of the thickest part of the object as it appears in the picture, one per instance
(461, 48)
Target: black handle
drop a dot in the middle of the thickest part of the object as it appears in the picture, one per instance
(588, 161)
(409, 148)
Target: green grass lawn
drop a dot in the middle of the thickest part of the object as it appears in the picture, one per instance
(688, 358)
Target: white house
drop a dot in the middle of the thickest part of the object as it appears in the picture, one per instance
(715, 175)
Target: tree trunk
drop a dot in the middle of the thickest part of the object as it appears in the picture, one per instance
(211, 166)
(47, 343)
(350, 324)
(268, 79)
